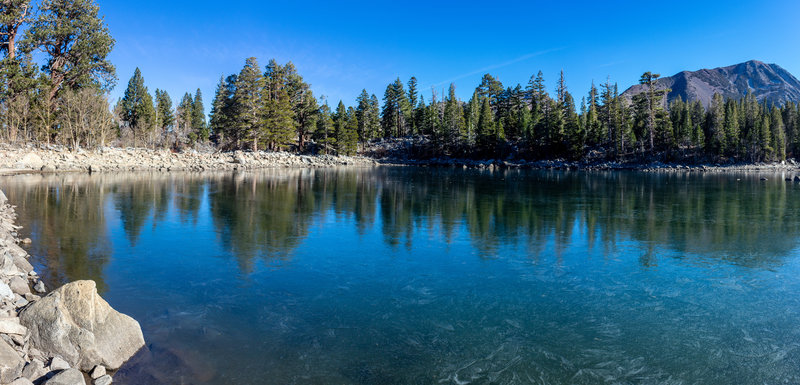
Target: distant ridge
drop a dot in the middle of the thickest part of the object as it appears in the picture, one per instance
(768, 82)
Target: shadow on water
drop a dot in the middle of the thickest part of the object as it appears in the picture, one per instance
(286, 266)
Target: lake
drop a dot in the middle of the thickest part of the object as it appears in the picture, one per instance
(399, 275)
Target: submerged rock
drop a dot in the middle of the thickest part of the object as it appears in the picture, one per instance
(74, 322)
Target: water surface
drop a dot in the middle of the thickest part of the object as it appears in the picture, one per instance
(434, 276)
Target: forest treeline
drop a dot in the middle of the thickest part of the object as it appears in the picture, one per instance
(64, 100)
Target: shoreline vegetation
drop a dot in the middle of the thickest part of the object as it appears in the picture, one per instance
(55, 77)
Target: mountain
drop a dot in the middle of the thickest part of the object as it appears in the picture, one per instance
(768, 82)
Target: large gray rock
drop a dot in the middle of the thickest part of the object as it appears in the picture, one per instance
(10, 362)
(32, 161)
(67, 377)
(19, 285)
(74, 322)
(34, 370)
(12, 326)
(8, 267)
(5, 292)
(21, 381)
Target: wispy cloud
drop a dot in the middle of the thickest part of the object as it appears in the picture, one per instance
(498, 65)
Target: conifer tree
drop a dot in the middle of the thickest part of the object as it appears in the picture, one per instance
(778, 133)
(164, 113)
(247, 106)
(346, 136)
(594, 136)
(715, 126)
(362, 113)
(76, 42)
(325, 132)
(304, 104)
(183, 121)
(413, 94)
(218, 119)
(373, 117)
(731, 126)
(278, 112)
(453, 118)
(485, 132)
(396, 110)
(137, 106)
(200, 131)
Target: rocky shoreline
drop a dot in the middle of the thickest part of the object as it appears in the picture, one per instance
(491, 164)
(69, 336)
(60, 159)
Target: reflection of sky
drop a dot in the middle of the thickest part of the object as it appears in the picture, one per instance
(352, 304)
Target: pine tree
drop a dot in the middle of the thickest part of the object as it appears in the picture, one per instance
(485, 134)
(324, 133)
(347, 137)
(453, 118)
(183, 121)
(396, 110)
(304, 104)
(778, 133)
(490, 88)
(374, 117)
(278, 115)
(731, 126)
(650, 106)
(164, 113)
(472, 113)
(413, 93)
(200, 131)
(137, 106)
(362, 113)
(715, 126)
(594, 135)
(76, 42)
(247, 106)
(218, 119)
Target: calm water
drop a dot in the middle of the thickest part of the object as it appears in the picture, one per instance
(423, 276)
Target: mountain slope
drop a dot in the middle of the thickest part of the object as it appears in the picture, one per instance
(768, 82)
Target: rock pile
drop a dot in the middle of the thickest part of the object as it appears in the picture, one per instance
(122, 159)
(55, 339)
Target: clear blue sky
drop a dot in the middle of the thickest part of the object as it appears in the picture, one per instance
(342, 47)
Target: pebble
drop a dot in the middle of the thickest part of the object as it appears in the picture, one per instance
(98, 371)
(39, 287)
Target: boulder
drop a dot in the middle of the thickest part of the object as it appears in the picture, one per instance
(32, 161)
(34, 370)
(12, 326)
(67, 377)
(21, 381)
(3, 198)
(5, 292)
(10, 362)
(74, 322)
(19, 285)
(23, 264)
(103, 380)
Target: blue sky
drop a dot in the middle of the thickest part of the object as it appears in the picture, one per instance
(342, 47)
